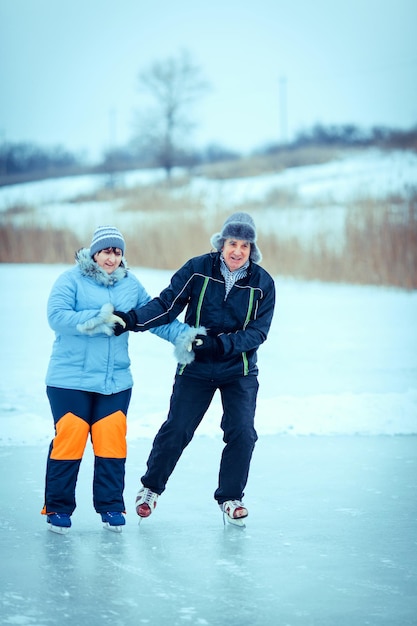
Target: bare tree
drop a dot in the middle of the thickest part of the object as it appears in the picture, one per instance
(174, 85)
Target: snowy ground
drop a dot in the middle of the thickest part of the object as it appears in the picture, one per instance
(339, 360)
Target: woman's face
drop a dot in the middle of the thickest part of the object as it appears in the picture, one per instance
(235, 253)
(109, 259)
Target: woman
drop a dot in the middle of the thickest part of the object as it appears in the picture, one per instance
(89, 382)
(230, 300)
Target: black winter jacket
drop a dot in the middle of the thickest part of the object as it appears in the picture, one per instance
(241, 321)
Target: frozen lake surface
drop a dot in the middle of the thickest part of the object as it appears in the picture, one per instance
(330, 540)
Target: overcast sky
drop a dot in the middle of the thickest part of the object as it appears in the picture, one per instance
(69, 68)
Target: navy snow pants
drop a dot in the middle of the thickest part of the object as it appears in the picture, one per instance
(78, 414)
(190, 399)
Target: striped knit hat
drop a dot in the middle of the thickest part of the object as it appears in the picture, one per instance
(106, 237)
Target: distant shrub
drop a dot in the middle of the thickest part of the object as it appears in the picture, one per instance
(380, 246)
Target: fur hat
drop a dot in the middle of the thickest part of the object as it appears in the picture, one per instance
(238, 226)
(106, 237)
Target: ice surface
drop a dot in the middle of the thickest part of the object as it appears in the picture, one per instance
(330, 540)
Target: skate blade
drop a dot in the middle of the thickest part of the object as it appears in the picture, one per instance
(58, 530)
(238, 521)
(114, 529)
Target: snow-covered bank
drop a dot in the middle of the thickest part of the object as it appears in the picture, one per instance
(369, 172)
(339, 360)
(319, 195)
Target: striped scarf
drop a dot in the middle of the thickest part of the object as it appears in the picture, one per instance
(231, 277)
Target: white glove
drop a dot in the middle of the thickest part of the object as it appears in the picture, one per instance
(183, 351)
(103, 322)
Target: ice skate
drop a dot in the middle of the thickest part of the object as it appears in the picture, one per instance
(145, 502)
(113, 521)
(59, 523)
(234, 512)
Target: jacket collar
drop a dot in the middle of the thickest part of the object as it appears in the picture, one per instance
(217, 265)
(88, 267)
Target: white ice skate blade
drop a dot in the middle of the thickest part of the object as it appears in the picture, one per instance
(238, 521)
(114, 529)
(58, 530)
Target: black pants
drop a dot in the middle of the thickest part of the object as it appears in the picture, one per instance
(190, 399)
(78, 414)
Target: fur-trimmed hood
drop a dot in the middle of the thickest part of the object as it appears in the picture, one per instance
(90, 268)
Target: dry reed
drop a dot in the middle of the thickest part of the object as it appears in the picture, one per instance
(379, 243)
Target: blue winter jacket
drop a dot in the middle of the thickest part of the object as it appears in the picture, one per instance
(94, 362)
(241, 321)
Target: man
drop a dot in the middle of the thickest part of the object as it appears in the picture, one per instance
(230, 300)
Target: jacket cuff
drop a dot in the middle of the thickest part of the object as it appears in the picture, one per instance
(102, 323)
(183, 351)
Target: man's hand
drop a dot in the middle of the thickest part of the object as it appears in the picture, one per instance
(129, 319)
(207, 348)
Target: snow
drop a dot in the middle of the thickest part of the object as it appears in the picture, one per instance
(330, 537)
(339, 360)
(371, 172)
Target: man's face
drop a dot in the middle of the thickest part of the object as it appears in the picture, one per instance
(235, 253)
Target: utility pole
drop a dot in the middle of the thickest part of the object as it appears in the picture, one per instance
(3, 164)
(112, 129)
(283, 108)
(112, 146)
